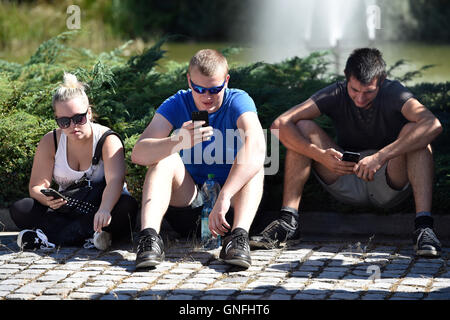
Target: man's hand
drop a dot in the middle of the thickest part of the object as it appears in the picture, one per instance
(367, 167)
(331, 159)
(218, 225)
(192, 133)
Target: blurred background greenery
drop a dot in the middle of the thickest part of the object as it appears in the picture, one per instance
(415, 30)
(129, 79)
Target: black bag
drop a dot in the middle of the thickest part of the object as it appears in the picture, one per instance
(84, 196)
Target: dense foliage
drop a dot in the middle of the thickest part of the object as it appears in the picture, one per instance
(125, 92)
(432, 20)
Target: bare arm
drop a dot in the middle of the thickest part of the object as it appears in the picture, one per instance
(248, 162)
(114, 164)
(424, 128)
(250, 158)
(155, 144)
(42, 172)
(285, 128)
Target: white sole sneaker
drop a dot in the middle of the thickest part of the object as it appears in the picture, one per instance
(428, 252)
(33, 239)
(238, 262)
(148, 263)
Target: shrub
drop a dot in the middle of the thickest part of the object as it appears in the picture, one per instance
(19, 134)
(126, 92)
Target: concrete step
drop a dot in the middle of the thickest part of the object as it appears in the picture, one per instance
(398, 225)
(6, 223)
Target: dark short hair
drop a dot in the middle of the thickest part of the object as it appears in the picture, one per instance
(366, 64)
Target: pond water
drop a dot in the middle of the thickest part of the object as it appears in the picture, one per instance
(416, 54)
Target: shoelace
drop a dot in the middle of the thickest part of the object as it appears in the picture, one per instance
(275, 230)
(148, 242)
(241, 242)
(89, 243)
(44, 240)
(428, 236)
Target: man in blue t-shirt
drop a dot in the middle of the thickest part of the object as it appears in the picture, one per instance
(373, 116)
(232, 147)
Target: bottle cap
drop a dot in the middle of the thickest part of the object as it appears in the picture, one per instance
(211, 175)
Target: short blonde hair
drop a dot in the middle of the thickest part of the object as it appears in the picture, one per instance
(70, 88)
(208, 61)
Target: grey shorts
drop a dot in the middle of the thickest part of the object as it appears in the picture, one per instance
(353, 190)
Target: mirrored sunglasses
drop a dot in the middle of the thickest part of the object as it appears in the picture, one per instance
(212, 90)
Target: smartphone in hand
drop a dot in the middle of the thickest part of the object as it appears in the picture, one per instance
(49, 192)
(351, 156)
(201, 116)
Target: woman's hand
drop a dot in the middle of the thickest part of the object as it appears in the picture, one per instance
(54, 203)
(101, 219)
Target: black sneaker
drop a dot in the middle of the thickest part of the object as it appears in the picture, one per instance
(31, 239)
(426, 244)
(235, 249)
(277, 232)
(150, 249)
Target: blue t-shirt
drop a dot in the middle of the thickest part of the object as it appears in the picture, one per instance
(217, 155)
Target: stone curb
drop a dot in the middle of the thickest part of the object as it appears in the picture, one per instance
(399, 225)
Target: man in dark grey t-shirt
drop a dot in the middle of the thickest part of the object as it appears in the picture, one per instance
(376, 117)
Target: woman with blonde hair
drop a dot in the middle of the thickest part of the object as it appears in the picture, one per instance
(65, 156)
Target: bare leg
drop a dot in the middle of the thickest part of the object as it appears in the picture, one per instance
(417, 167)
(296, 173)
(298, 167)
(246, 202)
(420, 174)
(166, 182)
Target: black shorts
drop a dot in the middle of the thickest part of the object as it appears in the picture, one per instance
(186, 220)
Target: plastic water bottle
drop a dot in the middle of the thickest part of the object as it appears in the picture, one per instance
(210, 191)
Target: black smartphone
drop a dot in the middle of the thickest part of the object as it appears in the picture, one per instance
(200, 116)
(49, 192)
(351, 156)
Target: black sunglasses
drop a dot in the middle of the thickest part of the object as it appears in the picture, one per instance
(79, 118)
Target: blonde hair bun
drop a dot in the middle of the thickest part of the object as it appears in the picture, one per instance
(71, 81)
(69, 89)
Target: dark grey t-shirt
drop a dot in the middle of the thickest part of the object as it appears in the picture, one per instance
(358, 129)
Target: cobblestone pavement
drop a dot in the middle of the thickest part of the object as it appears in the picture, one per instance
(305, 270)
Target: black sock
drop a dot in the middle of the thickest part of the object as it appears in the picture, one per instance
(290, 215)
(423, 222)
